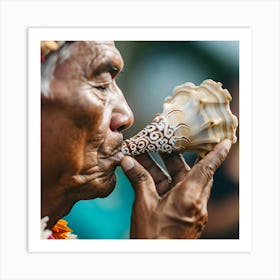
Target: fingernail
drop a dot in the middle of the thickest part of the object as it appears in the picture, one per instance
(227, 143)
(127, 163)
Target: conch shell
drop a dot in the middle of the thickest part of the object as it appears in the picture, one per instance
(194, 118)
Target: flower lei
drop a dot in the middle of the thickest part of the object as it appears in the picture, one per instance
(59, 231)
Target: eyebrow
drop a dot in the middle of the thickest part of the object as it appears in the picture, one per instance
(112, 69)
(106, 66)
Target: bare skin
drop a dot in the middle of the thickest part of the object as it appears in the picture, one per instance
(180, 212)
(82, 119)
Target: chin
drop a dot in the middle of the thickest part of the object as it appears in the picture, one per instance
(100, 185)
(107, 186)
(96, 189)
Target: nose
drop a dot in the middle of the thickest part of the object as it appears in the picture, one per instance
(122, 116)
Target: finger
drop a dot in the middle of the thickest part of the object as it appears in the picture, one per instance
(161, 178)
(204, 170)
(197, 160)
(206, 195)
(142, 182)
(176, 166)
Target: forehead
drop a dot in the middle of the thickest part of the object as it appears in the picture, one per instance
(94, 44)
(94, 49)
(92, 53)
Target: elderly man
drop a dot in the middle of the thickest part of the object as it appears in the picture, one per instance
(83, 114)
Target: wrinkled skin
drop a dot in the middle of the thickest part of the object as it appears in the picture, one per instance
(82, 119)
(81, 123)
(180, 212)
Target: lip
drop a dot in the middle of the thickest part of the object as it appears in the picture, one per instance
(114, 159)
(117, 157)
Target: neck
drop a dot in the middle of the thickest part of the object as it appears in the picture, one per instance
(54, 204)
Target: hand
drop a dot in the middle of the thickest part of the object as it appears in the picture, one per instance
(174, 205)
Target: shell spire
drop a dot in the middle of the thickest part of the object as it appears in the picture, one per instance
(194, 118)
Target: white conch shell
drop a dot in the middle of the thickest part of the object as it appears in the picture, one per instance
(194, 118)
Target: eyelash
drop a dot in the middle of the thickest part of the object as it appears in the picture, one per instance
(100, 87)
(103, 86)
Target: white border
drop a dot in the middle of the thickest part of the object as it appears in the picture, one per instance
(263, 260)
(243, 35)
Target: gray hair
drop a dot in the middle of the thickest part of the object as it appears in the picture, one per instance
(48, 66)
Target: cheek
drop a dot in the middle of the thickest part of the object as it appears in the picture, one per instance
(87, 110)
(83, 104)
(62, 145)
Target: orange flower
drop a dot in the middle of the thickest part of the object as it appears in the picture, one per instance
(49, 46)
(60, 230)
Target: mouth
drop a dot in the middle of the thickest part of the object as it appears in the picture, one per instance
(113, 155)
(117, 157)
(108, 162)
(105, 159)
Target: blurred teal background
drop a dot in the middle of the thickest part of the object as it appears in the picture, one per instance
(151, 71)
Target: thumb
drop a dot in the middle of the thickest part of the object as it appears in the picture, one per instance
(141, 180)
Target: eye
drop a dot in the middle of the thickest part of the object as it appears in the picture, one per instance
(103, 85)
(100, 87)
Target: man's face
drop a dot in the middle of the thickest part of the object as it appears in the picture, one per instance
(81, 121)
